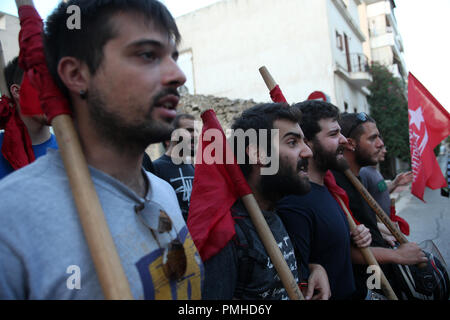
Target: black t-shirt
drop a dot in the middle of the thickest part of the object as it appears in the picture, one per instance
(180, 177)
(320, 233)
(360, 209)
(243, 269)
(364, 214)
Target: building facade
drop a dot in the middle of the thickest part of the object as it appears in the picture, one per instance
(9, 35)
(385, 44)
(306, 45)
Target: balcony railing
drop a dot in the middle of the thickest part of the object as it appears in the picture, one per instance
(358, 62)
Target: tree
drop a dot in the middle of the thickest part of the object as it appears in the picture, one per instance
(389, 108)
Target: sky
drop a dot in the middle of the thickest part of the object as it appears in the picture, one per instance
(423, 25)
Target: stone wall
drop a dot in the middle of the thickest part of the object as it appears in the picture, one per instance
(225, 109)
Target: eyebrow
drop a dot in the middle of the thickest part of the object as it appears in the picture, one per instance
(146, 42)
(295, 134)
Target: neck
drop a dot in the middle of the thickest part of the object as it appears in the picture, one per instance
(315, 175)
(354, 166)
(123, 165)
(38, 134)
(263, 202)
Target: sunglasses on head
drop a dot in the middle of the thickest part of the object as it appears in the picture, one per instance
(153, 216)
(360, 118)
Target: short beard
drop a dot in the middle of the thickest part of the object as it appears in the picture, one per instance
(125, 137)
(325, 160)
(363, 159)
(285, 182)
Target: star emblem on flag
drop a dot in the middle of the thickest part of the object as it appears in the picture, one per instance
(416, 117)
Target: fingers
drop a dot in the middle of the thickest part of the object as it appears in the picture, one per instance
(361, 236)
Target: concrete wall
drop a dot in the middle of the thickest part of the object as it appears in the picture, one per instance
(231, 39)
(295, 39)
(9, 35)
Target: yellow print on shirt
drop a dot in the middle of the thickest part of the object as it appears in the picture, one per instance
(157, 286)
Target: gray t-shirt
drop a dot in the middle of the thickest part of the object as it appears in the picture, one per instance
(43, 252)
(374, 182)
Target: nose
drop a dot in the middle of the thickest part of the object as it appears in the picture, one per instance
(173, 76)
(305, 151)
(342, 139)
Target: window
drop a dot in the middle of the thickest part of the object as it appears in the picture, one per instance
(339, 44)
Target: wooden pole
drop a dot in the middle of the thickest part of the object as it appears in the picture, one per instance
(271, 246)
(382, 216)
(270, 82)
(107, 263)
(368, 256)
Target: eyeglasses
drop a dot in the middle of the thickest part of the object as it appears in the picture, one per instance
(361, 118)
(153, 216)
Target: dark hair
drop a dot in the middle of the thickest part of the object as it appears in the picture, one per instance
(13, 73)
(312, 112)
(351, 126)
(262, 116)
(97, 28)
(179, 117)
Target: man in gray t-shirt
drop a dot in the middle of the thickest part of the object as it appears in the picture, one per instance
(121, 82)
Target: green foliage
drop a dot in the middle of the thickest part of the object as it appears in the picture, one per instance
(389, 108)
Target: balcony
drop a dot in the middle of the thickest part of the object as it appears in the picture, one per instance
(357, 71)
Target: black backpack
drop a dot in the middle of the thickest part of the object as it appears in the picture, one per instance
(430, 283)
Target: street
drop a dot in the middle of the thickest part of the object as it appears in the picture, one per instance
(430, 220)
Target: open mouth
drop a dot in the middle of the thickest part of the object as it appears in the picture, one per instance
(167, 106)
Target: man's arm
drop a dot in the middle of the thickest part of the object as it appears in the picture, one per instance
(407, 253)
(400, 180)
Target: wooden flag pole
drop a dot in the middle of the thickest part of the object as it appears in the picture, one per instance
(107, 263)
(368, 255)
(382, 216)
(271, 246)
(267, 77)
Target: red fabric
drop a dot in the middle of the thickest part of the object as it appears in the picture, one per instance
(277, 95)
(335, 190)
(402, 224)
(429, 124)
(29, 99)
(32, 61)
(216, 188)
(16, 147)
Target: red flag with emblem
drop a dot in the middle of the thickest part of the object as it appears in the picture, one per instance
(429, 124)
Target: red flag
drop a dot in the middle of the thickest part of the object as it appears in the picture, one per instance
(336, 191)
(217, 185)
(277, 95)
(36, 74)
(429, 124)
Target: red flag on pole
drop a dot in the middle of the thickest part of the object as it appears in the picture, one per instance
(218, 183)
(429, 124)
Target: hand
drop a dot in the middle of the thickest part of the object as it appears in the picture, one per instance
(410, 253)
(318, 281)
(361, 236)
(386, 234)
(403, 179)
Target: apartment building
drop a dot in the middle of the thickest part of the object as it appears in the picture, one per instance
(306, 45)
(9, 35)
(385, 44)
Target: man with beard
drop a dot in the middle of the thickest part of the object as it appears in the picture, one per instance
(35, 126)
(176, 165)
(120, 74)
(315, 222)
(243, 269)
(363, 148)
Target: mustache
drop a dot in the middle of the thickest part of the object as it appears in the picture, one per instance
(165, 92)
(302, 164)
(340, 149)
